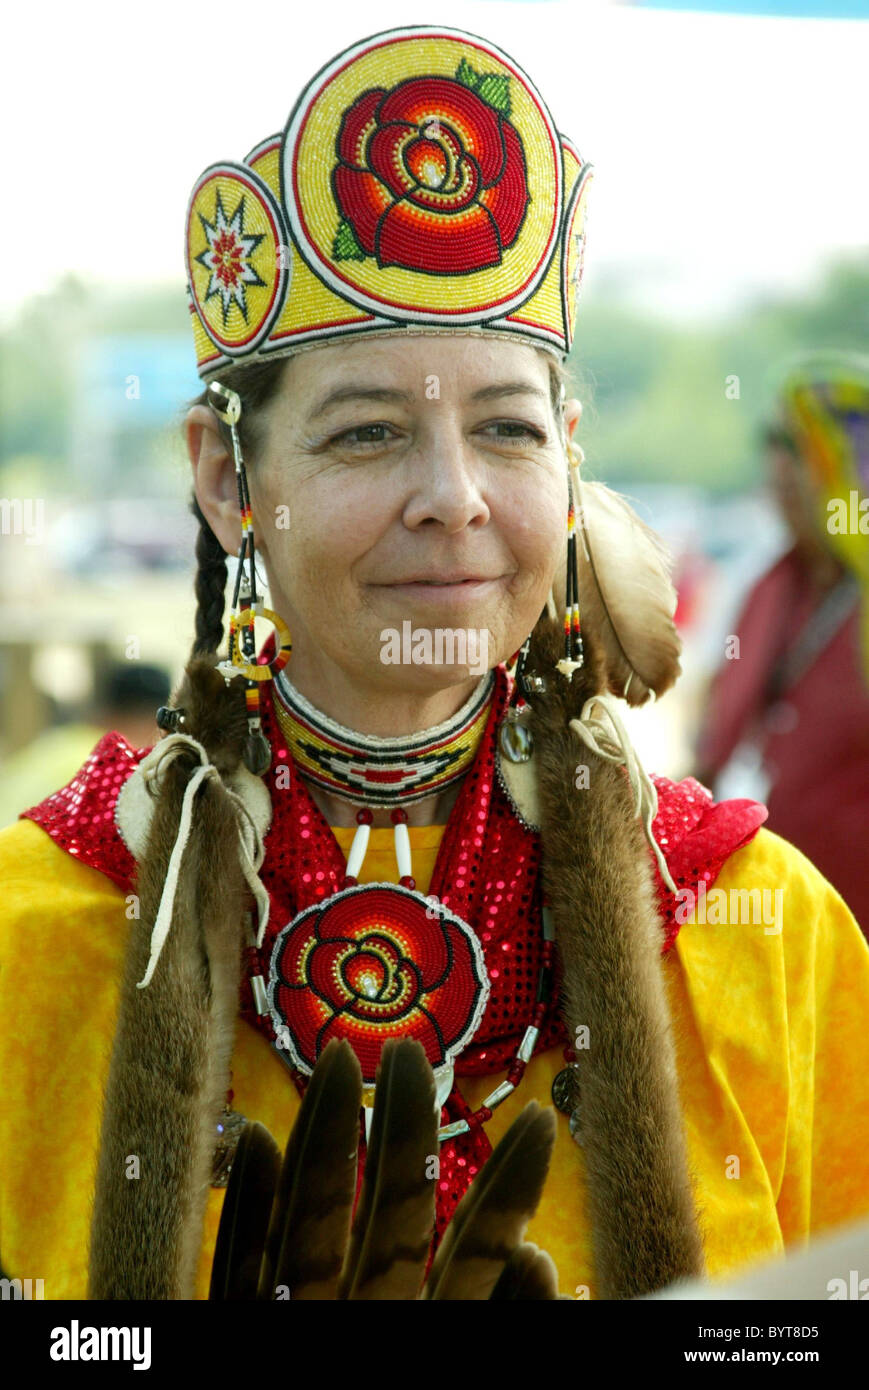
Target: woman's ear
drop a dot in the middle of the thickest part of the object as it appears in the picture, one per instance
(214, 480)
(572, 412)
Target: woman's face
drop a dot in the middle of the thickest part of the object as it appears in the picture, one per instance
(409, 487)
(793, 491)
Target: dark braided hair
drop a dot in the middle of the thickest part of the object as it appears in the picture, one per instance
(256, 384)
(209, 586)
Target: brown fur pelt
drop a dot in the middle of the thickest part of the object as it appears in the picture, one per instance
(597, 874)
(169, 1069)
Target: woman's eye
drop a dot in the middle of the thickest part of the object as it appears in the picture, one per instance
(519, 431)
(364, 435)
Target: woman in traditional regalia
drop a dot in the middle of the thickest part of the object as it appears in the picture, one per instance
(414, 812)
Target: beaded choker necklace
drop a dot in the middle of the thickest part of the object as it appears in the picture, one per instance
(380, 771)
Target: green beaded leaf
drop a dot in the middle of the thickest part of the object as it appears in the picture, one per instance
(495, 89)
(491, 87)
(466, 75)
(345, 246)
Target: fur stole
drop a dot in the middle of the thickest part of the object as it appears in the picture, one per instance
(598, 878)
(169, 1070)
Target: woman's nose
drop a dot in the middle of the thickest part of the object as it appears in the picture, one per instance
(447, 483)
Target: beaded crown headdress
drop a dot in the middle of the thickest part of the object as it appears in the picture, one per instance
(420, 184)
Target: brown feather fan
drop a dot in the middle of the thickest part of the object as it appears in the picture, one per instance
(482, 1254)
(626, 595)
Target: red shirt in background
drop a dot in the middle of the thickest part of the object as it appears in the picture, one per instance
(814, 736)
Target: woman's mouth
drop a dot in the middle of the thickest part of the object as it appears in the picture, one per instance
(448, 589)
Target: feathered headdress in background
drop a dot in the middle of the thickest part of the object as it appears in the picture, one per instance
(823, 408)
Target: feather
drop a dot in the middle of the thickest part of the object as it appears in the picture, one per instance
(310, 1221)
(391, 1234)
(244, 1217)
(626, 596)
(386, 1251)
(395, 1218)
(528, 1274)
(491, 1217)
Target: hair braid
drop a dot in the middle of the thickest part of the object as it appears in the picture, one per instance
(209, 586)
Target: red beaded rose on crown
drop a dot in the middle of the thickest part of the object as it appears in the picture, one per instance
(413, 186)
(420, 182)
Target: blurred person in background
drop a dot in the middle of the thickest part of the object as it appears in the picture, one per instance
(125, 702)
(787, 718)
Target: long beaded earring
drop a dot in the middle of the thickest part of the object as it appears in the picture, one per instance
(246, 603)
(573, 658)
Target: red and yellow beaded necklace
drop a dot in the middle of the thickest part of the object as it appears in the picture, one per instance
(376, 771)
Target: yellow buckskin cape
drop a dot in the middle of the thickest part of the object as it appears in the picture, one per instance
(772, 1050)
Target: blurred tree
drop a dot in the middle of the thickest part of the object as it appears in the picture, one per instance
(836, 316)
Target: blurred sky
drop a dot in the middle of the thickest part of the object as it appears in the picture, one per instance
(730, 149)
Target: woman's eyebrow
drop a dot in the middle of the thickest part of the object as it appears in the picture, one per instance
(382, 393)
(509, 388)
(359, 393)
